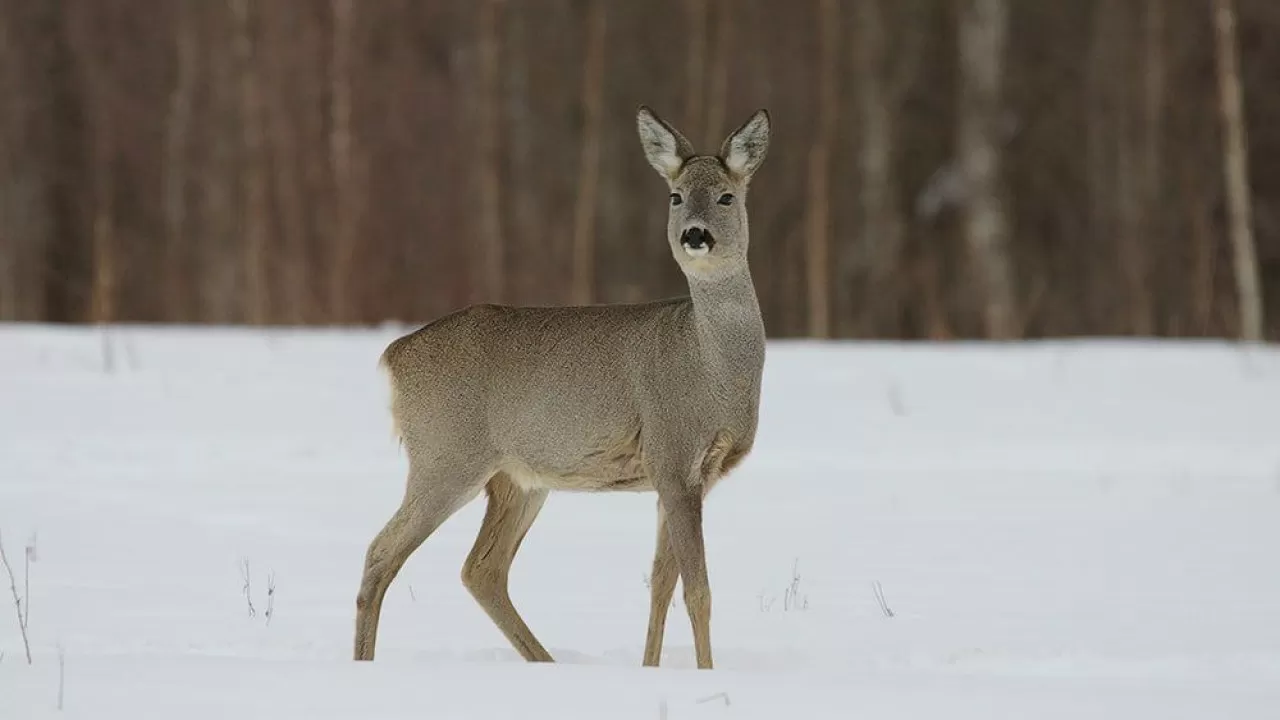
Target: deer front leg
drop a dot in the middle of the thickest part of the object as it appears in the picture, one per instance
(662, 585)
(683, 505)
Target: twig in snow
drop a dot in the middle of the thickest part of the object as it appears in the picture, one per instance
(791, 598)
(248, 588)
(648, 585)
(17, 602)
(108, 352)
(895, 400)
(717, 696)
(884, 606)
(62, 675)
(130, 357)
(271, 595)
(29, 556)
(412, 596)
(26, 587)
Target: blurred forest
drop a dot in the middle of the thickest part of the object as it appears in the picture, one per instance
(939, 168)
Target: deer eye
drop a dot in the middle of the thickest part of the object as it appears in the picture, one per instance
(726, 199)
(676, 199)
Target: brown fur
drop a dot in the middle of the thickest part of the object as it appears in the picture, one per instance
(519, 401)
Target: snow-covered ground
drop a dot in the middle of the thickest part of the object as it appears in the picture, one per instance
(1060, 530)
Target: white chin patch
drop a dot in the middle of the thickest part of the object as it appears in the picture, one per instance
(697, 251)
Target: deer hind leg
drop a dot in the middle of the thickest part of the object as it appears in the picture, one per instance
(662, 585)
(507, 518)
(431, 497)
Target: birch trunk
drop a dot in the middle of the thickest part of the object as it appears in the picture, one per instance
(1236, 170)
(881, 85)
(983, 33)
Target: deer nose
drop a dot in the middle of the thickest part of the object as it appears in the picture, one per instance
(697, 238)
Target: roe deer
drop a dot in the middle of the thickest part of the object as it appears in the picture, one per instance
(658, 396)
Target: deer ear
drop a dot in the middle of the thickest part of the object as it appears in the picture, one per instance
(746, 147)
(664, 147)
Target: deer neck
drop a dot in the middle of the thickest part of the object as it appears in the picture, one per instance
(729, 329)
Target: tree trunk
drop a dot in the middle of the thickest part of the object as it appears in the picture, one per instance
(221, 276)
(1152, 138)
(527, 236)
(340, 158)
(1236, 169)
(881, 86)
(253, 166)
(489, 260)
(16, 184)
(982, 39)
(1133, 76)
(818, 226)
(1097, 288)
(102, 303)
(695, 60)
(718, 85)
(174, 170)
(589, 163)
(1197, 213)
(283, 140)
(1131, 195)
(104, 286)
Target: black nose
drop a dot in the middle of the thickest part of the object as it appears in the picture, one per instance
(696, 237)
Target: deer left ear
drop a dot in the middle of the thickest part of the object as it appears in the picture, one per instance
(746, 147)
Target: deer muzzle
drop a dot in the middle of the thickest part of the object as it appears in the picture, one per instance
(697, 241)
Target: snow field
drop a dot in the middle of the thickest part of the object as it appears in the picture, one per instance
(1067, 529)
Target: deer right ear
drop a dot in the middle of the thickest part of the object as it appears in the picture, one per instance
(664, 147)
(745, 148)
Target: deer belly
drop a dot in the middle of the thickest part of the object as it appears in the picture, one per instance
(612, 467)
(529, 479)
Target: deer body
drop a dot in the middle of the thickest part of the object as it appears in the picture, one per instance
(519, 401)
